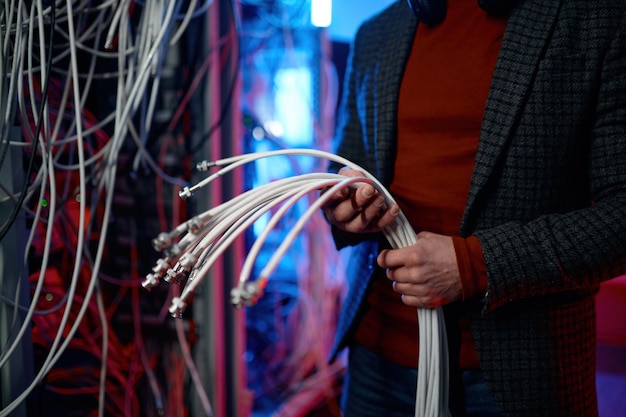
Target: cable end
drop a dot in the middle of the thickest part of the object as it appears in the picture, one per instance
(151, 281)
(185, 193)
(177, 307)
(162, 241)
(205, 165)
(247, 295)
(194, 225)
(187, 261)
(175, 275)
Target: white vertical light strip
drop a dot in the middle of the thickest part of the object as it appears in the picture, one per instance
(321, 13)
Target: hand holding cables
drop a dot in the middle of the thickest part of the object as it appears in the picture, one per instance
(191, 248)
(359, 209)
(425, 273)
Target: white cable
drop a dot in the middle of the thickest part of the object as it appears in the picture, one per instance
(105, 351)
(335, 185)
(225, 231)
(53, 353)
(432, 382)
(23, 68)
(184, 23)
(193, 371)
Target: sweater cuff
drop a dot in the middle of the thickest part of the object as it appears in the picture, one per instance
(471, 262)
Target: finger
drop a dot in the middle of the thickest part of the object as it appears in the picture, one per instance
(418, 295)
(373, 217)
(360, 206)
(382, 259)
(414, 297)
(350, 172)
(370, 211)
(413, 301)
(392, 258)
(340, 195)
(364, 194)
(386, 216)
(344, 211)
(360, 195)
(409, 288)
(422, 301)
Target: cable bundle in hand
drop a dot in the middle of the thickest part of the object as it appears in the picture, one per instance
(192, 248)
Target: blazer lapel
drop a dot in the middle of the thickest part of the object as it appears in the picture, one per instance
(513, 76)
(395, 50)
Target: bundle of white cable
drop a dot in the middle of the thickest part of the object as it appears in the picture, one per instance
(192, 248)
(47, 39)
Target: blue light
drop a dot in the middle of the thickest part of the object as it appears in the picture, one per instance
(293, 104)
(321, 13)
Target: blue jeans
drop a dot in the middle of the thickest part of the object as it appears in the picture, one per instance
(376, 387)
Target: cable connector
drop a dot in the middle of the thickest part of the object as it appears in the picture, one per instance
(151, 281)
(174, 251)
(161, 267)
(187, 261)
(175, 274)
(247, 295)
(177, 307)
(162, 241)
(194, 225)
(185, 193)
(204, 165)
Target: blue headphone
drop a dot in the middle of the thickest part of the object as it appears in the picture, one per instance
(433, 12)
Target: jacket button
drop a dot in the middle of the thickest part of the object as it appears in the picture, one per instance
(370, 261)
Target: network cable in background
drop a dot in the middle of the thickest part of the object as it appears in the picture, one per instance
(88, 118)
(105, 108)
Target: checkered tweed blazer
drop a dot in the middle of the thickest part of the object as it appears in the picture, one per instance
(547, 198)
